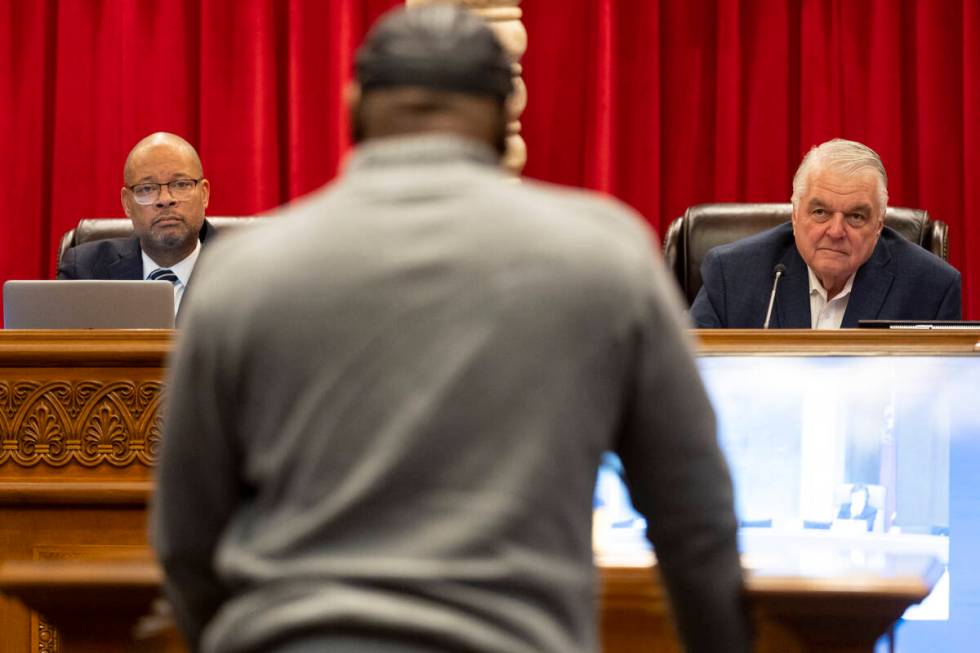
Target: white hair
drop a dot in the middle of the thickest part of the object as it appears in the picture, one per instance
(848, 157)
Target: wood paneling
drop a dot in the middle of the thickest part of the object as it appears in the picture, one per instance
(79, 433)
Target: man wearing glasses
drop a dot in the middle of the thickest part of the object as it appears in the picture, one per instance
(164, 194)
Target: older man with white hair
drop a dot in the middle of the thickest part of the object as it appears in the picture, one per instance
(838, 261)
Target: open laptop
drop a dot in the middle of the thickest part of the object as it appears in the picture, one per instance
(88, 305)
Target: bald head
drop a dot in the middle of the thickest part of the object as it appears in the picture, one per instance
(161, 141)
(165, 195)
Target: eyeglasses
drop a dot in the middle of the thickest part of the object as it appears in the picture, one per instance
(148, 192)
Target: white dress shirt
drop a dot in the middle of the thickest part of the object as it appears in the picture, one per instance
(824, 313)
(182, 269)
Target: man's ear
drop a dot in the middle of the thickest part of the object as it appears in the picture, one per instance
(352, 95)
(122, 199)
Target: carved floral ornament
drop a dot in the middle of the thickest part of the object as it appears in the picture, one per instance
(89, 422)
(47, 637)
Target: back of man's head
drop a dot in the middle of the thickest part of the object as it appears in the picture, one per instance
(435, 68)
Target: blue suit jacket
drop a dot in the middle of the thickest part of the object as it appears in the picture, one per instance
(112, 258)
(901, 281)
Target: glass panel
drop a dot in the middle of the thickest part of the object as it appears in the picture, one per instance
(867, 454)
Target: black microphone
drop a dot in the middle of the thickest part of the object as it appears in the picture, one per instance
(778, 271)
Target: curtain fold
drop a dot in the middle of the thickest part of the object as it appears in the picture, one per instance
(967, 246)
(663, 103)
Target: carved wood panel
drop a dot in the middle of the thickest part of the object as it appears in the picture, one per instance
(90, 422)
(47, 637)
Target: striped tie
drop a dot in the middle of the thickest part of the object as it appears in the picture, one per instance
(163, 274)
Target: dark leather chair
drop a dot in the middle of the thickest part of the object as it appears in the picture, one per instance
(705, 226)
(89, 229)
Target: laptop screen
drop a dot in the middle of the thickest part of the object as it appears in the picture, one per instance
(90, 304)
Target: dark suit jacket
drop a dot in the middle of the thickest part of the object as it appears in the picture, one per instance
(901, 281)
(112, 258)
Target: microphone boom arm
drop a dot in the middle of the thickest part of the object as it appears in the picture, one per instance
(779, 270)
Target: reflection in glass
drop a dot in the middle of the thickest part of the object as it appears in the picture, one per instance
(863, 454)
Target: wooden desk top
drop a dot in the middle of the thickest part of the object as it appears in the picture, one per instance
(84, 347)
(126, 347)
(903, 576)
(837, 341)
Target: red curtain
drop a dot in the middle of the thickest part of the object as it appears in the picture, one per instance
(256, 85)
(664, 103)
(669, 103)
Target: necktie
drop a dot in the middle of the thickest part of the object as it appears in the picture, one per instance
(163, 274)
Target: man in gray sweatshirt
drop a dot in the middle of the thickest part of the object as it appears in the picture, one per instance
(387, 406)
